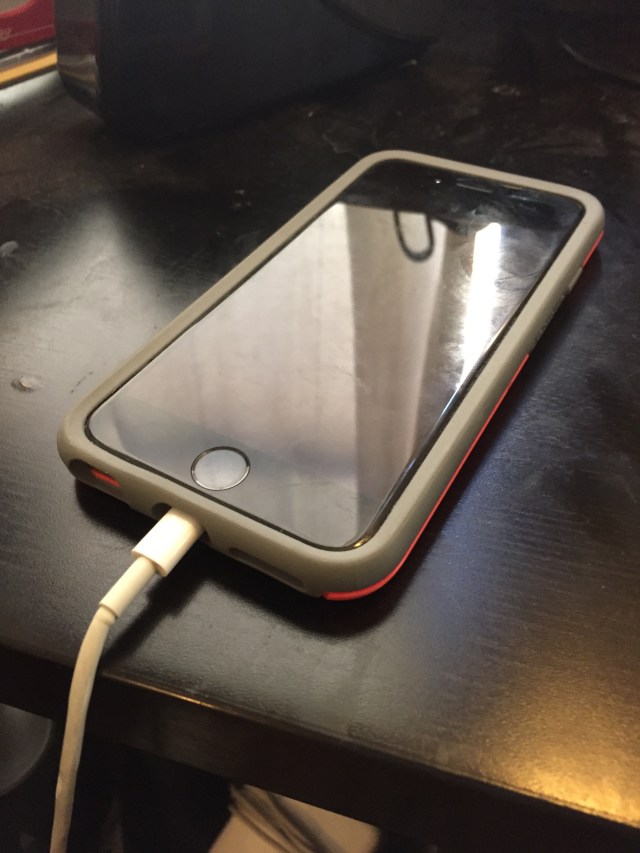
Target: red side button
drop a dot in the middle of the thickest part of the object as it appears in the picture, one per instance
(104, 478)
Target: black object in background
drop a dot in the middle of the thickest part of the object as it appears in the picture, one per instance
(601, 34)
(154, 67)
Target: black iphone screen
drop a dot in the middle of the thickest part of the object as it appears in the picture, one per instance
(334, 366)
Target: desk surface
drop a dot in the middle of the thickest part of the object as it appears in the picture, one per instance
(491, 694)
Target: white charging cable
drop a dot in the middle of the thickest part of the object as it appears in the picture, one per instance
(156, 554)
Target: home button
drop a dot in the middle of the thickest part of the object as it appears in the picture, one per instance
(220, 468)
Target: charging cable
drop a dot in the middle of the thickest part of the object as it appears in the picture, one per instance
(156, 554)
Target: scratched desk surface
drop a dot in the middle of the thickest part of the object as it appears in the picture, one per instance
(489, 698)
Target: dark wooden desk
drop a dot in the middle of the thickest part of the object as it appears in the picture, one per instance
(489, 698)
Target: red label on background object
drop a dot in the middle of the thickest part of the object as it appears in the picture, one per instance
(26, 24)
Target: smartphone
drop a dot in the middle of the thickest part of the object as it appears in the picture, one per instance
(312, 408)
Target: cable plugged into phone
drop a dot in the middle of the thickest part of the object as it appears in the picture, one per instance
(156, 554)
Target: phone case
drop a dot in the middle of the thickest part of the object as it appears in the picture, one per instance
(353, 572)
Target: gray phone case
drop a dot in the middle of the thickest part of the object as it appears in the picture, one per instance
(357, 570)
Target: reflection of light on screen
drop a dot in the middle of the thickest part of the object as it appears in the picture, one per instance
(481, 295)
